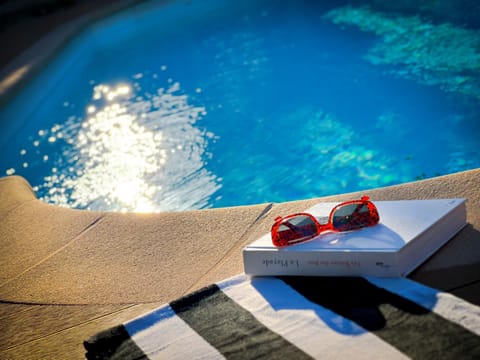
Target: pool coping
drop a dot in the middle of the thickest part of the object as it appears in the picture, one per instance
(39, 238)
(25, 64)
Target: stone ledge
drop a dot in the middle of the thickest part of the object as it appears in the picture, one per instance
(56, 255)
(98, 267)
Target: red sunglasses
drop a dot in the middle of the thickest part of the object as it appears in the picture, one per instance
(347, 216)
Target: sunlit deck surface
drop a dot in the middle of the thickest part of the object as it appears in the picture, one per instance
(67, 274)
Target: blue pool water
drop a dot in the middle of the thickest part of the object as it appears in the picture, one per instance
(197, 104)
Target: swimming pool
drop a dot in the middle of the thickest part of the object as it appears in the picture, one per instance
(195, 104)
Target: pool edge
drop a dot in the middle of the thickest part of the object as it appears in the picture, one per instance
(24, 66)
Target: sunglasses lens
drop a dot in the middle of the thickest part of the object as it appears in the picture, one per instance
(296, 229)
(354, 216)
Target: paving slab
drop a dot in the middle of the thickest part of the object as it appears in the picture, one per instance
(14, 191)
(113, 258)
(33, 232)
(18, 327)
(57, 332)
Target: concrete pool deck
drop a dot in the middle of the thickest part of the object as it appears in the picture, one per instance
(67, 274)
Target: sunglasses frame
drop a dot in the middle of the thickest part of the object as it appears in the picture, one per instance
(321, 228)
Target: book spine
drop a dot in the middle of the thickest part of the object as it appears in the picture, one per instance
(268, 263)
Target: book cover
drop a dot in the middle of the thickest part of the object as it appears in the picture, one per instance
(408, 233)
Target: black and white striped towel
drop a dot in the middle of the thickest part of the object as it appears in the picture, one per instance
(299, 318)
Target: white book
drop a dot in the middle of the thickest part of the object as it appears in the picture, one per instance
(408, 233)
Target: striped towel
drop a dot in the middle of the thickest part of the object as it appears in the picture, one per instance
(300, 318)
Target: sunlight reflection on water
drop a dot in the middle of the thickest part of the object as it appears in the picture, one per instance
(132, 153)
